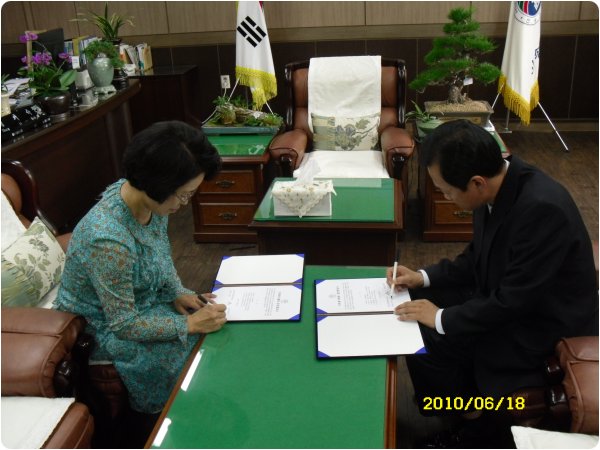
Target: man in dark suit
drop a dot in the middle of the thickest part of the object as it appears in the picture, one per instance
(490, 317)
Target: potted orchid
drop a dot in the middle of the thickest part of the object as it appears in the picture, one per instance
(49, 82)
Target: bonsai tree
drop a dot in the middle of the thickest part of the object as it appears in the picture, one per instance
(454, 57)
(95, 48)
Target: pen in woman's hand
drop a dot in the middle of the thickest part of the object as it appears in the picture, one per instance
(204, 300)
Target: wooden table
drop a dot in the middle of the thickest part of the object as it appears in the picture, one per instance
(260, 385)
(363, 229)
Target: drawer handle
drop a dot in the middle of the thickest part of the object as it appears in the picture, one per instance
(463, 214)
(225, 184)
(228, 215)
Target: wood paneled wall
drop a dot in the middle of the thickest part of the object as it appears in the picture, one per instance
(173, 22)
(202, 33)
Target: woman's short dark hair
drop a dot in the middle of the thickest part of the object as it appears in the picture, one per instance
(166, 155)
(462, 150)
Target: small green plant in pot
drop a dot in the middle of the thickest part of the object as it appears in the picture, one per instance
(102, 57)
(424, 121)
(109, 26)
(235, 112)
(108, 49)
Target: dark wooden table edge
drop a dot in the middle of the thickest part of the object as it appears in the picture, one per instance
(390, 402)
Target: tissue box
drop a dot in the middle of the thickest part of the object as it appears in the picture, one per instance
(293, 199)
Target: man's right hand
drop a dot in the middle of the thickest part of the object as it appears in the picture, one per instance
(405, 278)
(207, 319)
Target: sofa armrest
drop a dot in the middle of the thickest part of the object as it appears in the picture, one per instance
(36, 351)
(578, 358)
(287, 150)
(397, 146)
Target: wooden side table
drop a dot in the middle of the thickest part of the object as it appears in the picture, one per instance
(363, 229)
(443, 221)
(223, 207)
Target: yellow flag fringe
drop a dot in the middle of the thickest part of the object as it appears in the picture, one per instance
(263, 84)
(516, 103)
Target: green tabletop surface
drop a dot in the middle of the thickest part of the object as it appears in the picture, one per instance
(241, 144)
(260, 385)
(355, 200)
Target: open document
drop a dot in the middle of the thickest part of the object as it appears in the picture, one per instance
(258, 288)
(355, 317)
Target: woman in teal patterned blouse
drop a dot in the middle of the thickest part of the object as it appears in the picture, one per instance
(119, 273)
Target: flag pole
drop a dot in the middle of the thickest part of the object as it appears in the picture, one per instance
(554, 128)
(506, 129)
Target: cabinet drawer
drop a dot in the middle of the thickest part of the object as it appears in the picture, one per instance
(445, 212)
(227, 182)
(226, 213)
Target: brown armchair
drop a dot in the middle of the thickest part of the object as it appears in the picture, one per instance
(39, 353)
(20, 189)
(288, 149)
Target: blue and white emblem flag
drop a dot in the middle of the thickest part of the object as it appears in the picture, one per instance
(518, 82)
(253, 60)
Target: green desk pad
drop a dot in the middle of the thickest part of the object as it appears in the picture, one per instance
(357, 200)
(260, 385)
(241, 144)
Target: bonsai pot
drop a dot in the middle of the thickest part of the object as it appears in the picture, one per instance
(477, 111)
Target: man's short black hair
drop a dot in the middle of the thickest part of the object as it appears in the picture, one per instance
(166, 155)
(462, 150)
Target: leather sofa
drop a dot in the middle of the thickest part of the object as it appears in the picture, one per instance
(100, 390)
(39, 352)
(43, 350)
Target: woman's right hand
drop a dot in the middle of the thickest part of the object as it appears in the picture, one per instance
(207, 319)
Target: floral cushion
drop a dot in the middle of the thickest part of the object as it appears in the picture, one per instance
(12, 227)
(31, 266)
(346, 133)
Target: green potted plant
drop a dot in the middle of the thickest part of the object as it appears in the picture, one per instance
(424, 121)
(96, 48)
(454, 61)
(49, 82)
(108, 26)
(235, 112)
(102, 58)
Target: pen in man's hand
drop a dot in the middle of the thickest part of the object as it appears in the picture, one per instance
(395, 272)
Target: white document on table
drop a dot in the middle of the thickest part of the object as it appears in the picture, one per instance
(261, 302)
(261, 269)
(261, 287)
(355, 318)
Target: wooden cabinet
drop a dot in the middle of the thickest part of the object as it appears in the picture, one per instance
(442, 219)
(75, 160)
(224, 206)
(168, 93)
